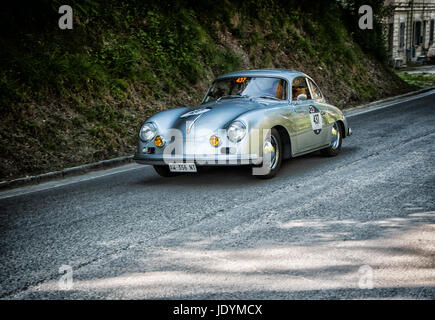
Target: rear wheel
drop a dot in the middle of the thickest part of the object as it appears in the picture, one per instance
(272, 156)
(336, 139)
(164, 171)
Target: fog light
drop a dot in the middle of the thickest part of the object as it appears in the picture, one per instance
(228, 150)
(158, 141)
(214, 141)
(148, 150)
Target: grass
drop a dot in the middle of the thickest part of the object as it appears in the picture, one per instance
(422, 80)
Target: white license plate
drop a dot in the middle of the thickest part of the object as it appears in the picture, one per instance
(182, 167)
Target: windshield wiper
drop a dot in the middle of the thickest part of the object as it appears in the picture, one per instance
(268, 97)
(232, 96)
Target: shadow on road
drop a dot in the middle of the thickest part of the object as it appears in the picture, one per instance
(290, 259)
(316, 243)
(242, 175)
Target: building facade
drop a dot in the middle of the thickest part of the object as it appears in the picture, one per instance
(410, 31)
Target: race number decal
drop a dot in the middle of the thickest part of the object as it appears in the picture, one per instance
(316, 120)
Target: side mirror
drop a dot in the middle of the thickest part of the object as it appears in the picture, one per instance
(302, 97)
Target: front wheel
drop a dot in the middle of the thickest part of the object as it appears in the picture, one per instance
(272, 156)
(336, 139)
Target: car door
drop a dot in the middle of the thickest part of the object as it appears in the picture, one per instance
(307, 116)
(321, 128)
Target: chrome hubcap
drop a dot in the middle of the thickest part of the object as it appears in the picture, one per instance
(271, 152)
(335, 140)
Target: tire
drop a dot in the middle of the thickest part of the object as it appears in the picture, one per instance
(164, 171)
(335, 146)
(275, 162)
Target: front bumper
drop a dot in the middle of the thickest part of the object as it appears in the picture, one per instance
(200, 160)
(347, 129)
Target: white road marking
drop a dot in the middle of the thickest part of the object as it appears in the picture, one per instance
(129, 167)
(357, 112)
(67, 181)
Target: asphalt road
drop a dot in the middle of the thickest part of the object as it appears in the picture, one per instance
(360, 225)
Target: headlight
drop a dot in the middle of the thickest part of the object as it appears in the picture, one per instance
(147, 132)
(236, 131)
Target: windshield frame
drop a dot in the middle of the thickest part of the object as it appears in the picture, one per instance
(248, 76)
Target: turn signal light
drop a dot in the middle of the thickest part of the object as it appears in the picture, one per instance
(214, 141)
(158, 141)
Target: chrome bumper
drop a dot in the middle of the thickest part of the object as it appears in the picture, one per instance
(200, 160)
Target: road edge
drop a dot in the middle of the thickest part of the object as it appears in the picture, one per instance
(118, 162)
(68, 172)
(389, 99)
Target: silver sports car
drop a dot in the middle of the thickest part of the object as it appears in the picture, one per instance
(253, 117)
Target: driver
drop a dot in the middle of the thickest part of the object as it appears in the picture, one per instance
(276, 89)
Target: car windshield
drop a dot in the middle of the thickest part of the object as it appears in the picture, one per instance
(247, 87)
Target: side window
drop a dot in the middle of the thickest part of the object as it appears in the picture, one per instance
(317, 94)
(299, 86)
(281, 90)
(402, 35)
(431, 30)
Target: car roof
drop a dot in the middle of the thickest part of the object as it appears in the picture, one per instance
(283, 73)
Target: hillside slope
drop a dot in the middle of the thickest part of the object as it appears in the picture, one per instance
(69, 97)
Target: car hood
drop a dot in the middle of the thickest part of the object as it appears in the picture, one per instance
(215, 115)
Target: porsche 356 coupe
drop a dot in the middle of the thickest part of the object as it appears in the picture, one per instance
(252, 117)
